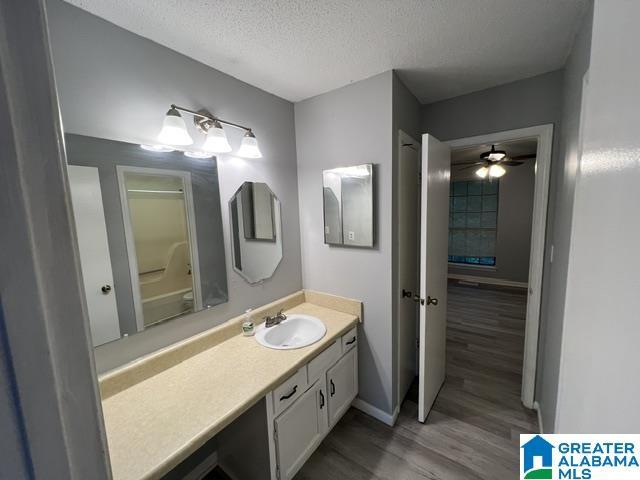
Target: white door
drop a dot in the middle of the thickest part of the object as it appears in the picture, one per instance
(408, 233)
(434, 234)
(342, 384)
(95, 260)
(300, 429)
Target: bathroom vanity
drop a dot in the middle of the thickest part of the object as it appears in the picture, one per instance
(268, 408)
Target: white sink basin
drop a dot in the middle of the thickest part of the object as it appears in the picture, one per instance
(296, 331)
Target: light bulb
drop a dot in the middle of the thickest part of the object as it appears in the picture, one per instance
(482, 172)
(496, 171)
(216, 141)
(174, 130)
(249, 146)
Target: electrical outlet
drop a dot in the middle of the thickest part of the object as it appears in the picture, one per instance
(352, 236)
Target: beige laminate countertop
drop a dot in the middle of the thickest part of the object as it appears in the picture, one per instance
(155, 424)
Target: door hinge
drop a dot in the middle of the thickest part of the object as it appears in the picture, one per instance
(275, 435)
(278, 472)
(418, 343)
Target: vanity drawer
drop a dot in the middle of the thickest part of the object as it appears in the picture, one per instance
(289, 391)
(328, 357)
(350, 339)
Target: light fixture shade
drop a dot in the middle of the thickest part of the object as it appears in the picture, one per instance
(216, 141)
(249, 146)
(482, 172)
(174, 130)
(496, 171)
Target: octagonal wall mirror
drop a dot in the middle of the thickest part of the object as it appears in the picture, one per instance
(256, 231)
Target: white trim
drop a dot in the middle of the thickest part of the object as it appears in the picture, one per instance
(376, 413)
(536, 407)
(544, 134)
(488, 281)
(131, 248)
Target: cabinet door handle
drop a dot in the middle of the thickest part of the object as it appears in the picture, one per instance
(293, 392)
(351, 341)
(333, 388)
(321, 399)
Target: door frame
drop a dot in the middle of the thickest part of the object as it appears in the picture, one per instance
(405, 138)
(544, 135)
(131, 247)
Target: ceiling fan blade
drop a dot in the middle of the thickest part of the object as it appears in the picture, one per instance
(511, 163)
(523, 157)
(468, 166)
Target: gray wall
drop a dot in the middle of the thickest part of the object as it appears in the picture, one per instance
(515, 213)
(563, 186)
(116, 85)
(350, 126)
(106, 155)
(600, 361)
(533, 101)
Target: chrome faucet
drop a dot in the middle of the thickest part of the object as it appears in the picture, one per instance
(275, 320)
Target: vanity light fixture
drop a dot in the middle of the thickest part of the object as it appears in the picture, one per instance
(174, 130)
(249, 146)
(216, 141)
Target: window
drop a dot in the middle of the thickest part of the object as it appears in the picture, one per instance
(473, 220)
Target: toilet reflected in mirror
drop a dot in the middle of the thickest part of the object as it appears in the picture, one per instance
(256, 235)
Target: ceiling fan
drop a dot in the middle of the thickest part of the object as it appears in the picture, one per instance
(492, 163)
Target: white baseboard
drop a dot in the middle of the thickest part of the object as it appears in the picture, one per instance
(536, 407)
(376, 413)
(488, 281)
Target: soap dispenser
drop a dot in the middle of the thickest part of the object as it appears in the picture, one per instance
(248, 328)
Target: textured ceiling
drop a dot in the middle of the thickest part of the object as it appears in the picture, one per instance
(300, 48)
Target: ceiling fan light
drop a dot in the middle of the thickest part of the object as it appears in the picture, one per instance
(496, 171)
(174, 130)
(482, 172)
(249, 146)
(216, 141)
(494, 155)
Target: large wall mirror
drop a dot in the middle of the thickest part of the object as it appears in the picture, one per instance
(348, 206)
(150, 236)
(256, 233)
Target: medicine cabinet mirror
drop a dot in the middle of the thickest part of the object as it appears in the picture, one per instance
(348, 206)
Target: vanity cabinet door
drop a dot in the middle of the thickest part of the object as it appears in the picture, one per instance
(300, 429)
(342, 384)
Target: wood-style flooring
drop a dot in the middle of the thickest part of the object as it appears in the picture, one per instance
(472, 430)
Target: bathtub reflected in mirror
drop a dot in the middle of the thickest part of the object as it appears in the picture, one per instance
(149, 230)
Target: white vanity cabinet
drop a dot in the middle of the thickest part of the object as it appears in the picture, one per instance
(342, 384)
(298, 424)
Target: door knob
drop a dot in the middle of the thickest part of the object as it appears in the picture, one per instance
(432, 301)
(106, 289)
(416, 298)
(406, 293)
